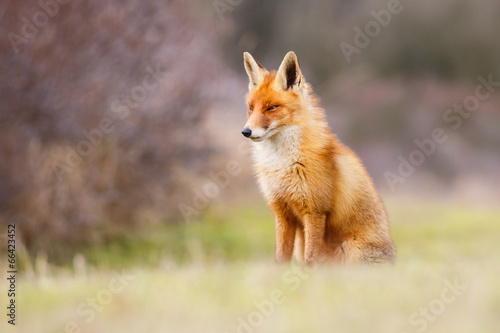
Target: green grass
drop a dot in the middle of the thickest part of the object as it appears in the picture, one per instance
(211, 275)
(239, 234)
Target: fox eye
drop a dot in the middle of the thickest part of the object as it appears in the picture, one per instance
(250, 107)
(272, 108)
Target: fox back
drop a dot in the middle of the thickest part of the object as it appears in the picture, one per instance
(325, 205)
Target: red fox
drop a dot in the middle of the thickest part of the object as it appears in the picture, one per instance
(325, 206)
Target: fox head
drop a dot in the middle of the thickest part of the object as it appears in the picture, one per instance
(275, 99)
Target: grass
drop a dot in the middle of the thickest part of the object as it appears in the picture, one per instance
(218, 275)
(240, 233)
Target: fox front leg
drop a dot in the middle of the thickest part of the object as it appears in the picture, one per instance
(285, 237)
(314, 233)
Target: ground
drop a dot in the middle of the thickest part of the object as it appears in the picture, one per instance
(218, 275)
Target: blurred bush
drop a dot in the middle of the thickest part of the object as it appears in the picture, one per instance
(447, 39)
(75, 72)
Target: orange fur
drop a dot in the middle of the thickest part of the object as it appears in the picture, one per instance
(324, 202)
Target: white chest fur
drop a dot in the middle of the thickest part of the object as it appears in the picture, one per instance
(274, 159)
(280, 151)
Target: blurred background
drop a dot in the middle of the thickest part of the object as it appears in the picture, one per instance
(121, 150)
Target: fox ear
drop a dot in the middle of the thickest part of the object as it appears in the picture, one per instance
(256, 72)
(289, 74)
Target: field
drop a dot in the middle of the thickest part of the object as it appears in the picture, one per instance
(115, 114)
(218, 275)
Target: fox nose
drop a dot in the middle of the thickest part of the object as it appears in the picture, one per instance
(246, 132)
